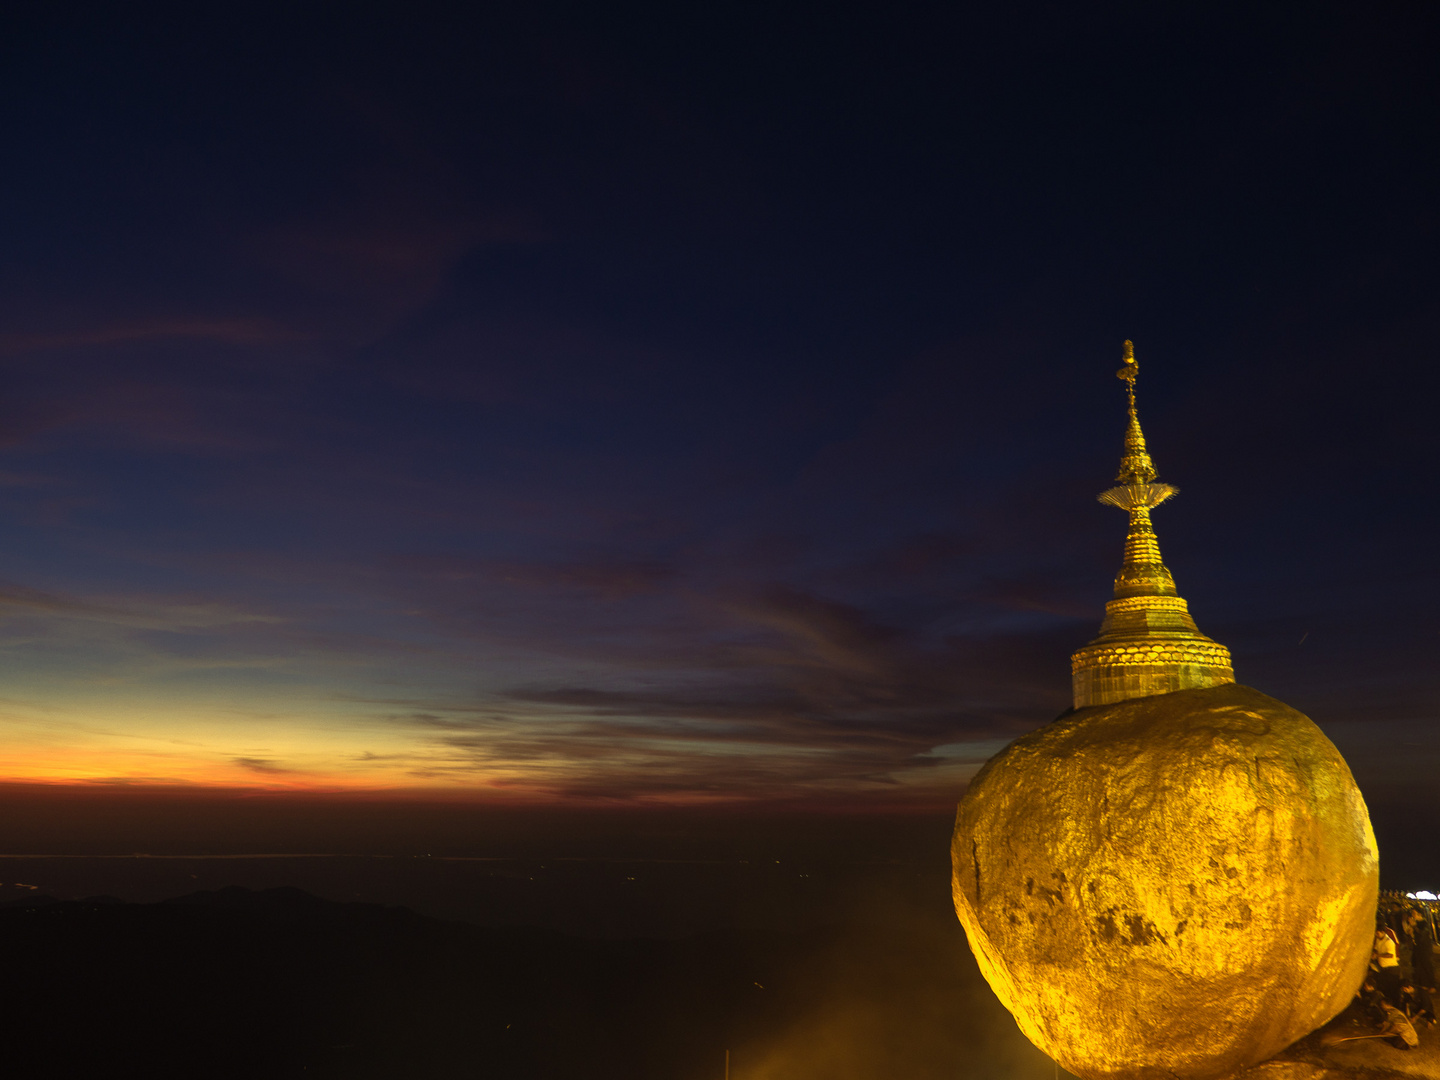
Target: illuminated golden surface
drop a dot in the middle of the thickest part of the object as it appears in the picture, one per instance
(1148, 643)
(1174, 886)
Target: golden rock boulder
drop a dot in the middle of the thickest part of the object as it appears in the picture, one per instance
(1170, 886)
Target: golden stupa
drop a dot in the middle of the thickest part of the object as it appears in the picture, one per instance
(1175, 879)
(1148, 643)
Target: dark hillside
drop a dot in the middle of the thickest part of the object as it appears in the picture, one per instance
(279, 983)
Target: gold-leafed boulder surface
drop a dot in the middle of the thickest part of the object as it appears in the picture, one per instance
(1171, 886)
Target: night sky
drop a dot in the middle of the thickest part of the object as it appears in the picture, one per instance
(698, 405)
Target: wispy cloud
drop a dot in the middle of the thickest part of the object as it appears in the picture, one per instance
(769, 693)
(242, 331)
(264, 766)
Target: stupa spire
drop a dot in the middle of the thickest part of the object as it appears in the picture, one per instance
(1136, 466)
(1148, 643)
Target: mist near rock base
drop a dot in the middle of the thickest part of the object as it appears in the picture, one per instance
(895, 994)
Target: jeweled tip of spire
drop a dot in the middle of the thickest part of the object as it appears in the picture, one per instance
(1130, 368)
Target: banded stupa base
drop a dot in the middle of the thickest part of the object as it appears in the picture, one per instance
(1147, 645)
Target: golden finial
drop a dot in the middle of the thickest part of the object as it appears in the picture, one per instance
(1148, 643)
(1136, 466)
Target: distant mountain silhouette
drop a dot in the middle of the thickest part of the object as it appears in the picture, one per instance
(280, 983)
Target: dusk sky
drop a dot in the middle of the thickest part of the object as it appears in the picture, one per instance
(692, 404)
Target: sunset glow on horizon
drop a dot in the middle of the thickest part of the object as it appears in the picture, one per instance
(103, 698)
